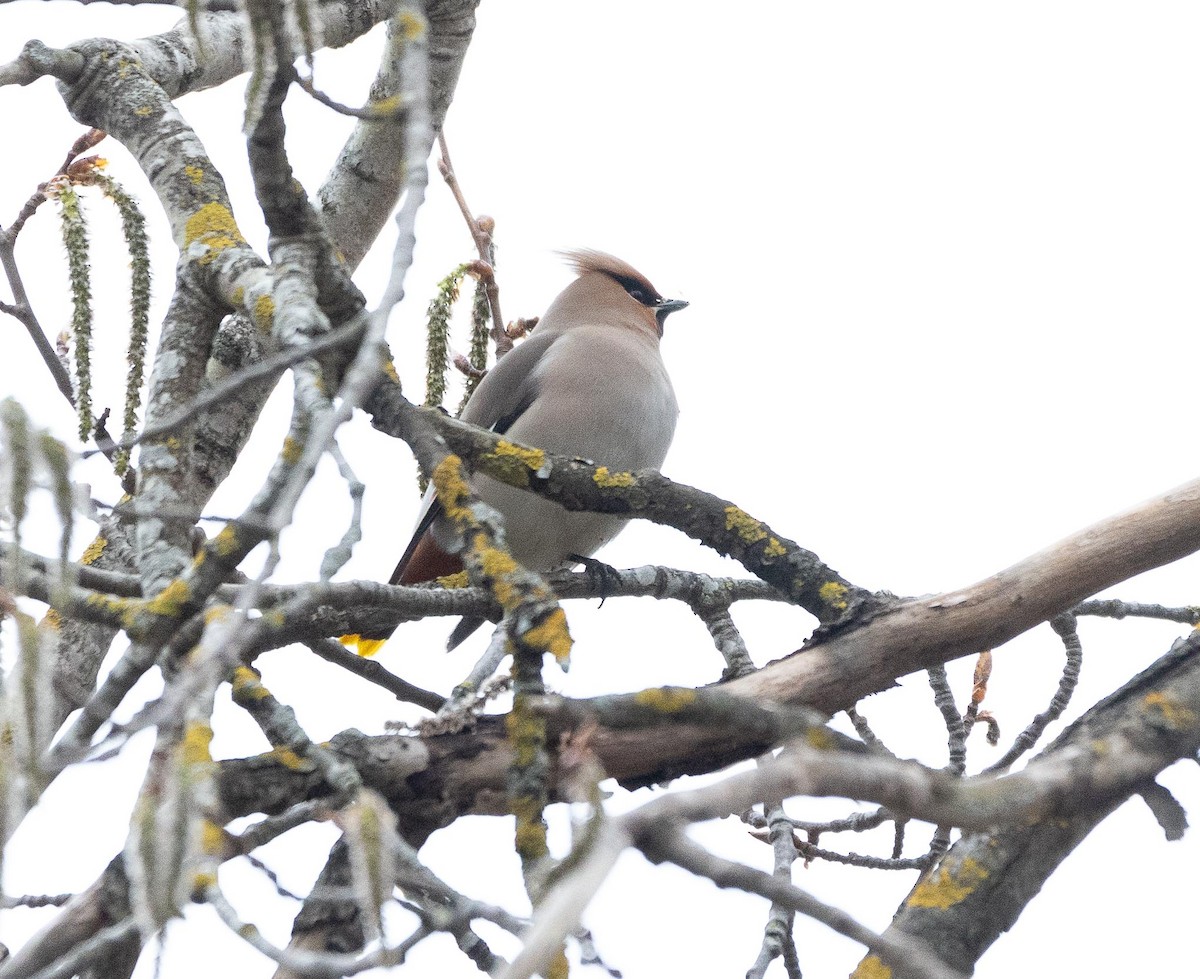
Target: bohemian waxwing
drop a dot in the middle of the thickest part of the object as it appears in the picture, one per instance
(589, 382)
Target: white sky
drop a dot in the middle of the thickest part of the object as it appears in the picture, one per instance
(942, 263)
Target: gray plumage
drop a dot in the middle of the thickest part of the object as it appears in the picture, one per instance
(589, 382)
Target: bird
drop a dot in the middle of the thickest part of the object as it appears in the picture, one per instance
(589, 382)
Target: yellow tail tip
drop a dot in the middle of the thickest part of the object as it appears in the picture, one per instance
(361, 644)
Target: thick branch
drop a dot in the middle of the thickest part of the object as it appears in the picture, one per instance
(1118, 745)
(834, 672)
(988, 877)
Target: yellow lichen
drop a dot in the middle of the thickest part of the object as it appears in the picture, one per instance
(264, 312)
(143, 110)
(517, 462)
(52, 620)
(495, 562)
(215, 613)
(94, 550)
(1176, 716)
(774, 549)
(819, 738)
(451, 487)
(202, 881)
(171, 600)
(871, 967)
(389, 370)
(666, 700)
(531, 833)
(388, 105)
(212, 838)
(559, 967)
(530, 840)
(126, 608)
(459, 579)
(525, 733)
(833, 594)
(173, 443)
(247, 685)
(609, 479)
(194, 747)
(949, 885)
(552, 635)
(411, 27)
(747, 528)
(226, 542)
(499, 568)
(289, 759)
(194, 173)
(533, 458)
(292, 450)
(213, 226)
(239, 294)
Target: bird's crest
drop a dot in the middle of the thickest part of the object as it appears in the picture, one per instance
(585, 260)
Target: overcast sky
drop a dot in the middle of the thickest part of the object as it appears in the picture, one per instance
(942, 264)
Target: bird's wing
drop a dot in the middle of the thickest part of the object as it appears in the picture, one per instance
(431, 509)
(510, 387)
(501, 398)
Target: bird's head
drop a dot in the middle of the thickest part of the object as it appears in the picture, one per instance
(607, 281)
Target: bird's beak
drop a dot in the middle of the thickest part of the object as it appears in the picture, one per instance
(664, 307)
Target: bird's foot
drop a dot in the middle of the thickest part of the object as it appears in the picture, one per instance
(599, 573)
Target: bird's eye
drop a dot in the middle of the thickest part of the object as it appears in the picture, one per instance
(637, 290)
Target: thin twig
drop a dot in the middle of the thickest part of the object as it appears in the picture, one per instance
(372, 670)
(1065, 626)
(912, 958)
(778, 939)
(943, 699)
(370, 113)
(481, 233)
(1114, 608)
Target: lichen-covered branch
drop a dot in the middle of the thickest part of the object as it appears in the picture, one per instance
(578, 485)
(835, 671)
(989, 876)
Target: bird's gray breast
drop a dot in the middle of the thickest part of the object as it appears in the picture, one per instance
(602, 394)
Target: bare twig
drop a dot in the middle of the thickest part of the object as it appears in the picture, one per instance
(1064, 625)
(911, 957)
(481, 232)
(375, 672)
(943, 699)
(778, 939)
(386, 112)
